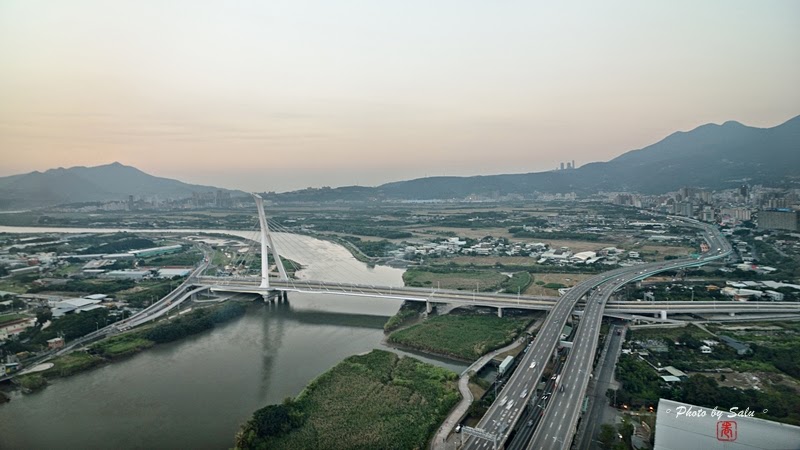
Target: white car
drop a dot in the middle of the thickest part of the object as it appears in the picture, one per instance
(510, 404)
(533, 364)
(524, 394)
(504, 400)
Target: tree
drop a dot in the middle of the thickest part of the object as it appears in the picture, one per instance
(607, 436)
(626, 430)
(43, 315)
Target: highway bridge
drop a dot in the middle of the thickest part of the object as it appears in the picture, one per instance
(558, 409)
(500, 420)
(559, 421)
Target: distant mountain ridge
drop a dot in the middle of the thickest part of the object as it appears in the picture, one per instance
(89, 184)
(710, 156)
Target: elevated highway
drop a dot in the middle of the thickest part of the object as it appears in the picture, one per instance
(559, 421)
(501, 419)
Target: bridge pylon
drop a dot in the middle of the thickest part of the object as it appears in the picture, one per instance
(266, 241)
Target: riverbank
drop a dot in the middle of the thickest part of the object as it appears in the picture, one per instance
(375, 400)
(117, 347)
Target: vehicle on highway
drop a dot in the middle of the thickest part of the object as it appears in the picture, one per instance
(530, 423)
(562, 388)
(503, 400)
(533, 364)
(510, 404)
(524, 394)
(458, 428)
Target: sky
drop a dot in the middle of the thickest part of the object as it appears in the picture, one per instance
(282, 95)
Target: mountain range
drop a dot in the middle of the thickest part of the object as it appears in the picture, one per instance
(88, 184)
(710, 157)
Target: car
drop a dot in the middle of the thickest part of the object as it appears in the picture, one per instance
(524, 394)
(503, 400)
(530, 423)
(533, 364)
(510, 404)
(562, 388)
(458, 429)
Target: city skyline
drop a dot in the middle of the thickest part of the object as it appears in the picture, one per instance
(282, 96)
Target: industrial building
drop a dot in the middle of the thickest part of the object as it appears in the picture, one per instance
(74, 305)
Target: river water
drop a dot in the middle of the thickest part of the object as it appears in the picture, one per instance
(195, 393)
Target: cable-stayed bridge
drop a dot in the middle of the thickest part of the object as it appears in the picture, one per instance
(588, 300)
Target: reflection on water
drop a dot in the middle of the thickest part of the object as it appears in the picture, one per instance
(196, 392)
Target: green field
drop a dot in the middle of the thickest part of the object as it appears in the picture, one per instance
(126, 344)
(518, 283)
(73, 363)
(372, 401)
(11, 317)
(461, 336)
(467, 280)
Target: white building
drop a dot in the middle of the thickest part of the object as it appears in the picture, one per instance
(775, 296)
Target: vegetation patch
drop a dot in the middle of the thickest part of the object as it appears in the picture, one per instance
(33, 382)
(123, 345)
(517, 283)
(75, 362)
(11, 317)
(408, 311)
(465, 336)
(460, 279)
(371, 401)
(194, 322)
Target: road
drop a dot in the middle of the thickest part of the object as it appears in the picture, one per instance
(501, 418)
(590, 428)
(560, 419)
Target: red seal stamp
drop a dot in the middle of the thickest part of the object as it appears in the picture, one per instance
(726, 430)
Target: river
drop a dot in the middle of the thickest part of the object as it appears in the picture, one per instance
(195, 393)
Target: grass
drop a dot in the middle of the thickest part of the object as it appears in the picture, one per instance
(372, 401)
(73, 363)
(11, 317)
(124, 345)
(407, 312)
(543, 279)
(15, 286)
(466, 280)
(518, 282)
(465, 336)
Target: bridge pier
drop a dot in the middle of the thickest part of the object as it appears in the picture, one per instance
(285, 296)
(500, 312)
(273, 296)
(428, 307)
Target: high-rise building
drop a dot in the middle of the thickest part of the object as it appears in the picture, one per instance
(779, 220)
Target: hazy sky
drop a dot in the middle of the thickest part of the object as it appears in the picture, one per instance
(279, 95)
